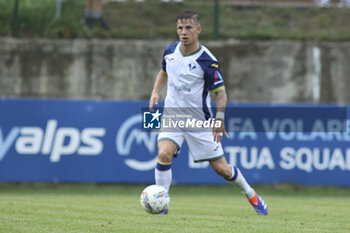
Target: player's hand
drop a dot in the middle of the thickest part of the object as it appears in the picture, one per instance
(153, 100)
(218, 132)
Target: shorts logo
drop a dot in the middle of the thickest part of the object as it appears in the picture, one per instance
(152, 120)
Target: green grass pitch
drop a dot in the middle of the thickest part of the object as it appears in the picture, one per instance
(116, 208)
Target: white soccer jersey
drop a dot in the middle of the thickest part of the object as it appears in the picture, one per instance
(191, 78)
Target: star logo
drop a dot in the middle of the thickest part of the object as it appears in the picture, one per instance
(152, 120)
(156, 115)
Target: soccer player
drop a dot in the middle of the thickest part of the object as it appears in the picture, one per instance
(192, 73)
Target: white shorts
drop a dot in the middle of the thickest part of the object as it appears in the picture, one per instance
(201, 145)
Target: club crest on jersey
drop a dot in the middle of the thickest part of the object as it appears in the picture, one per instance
(192, 66)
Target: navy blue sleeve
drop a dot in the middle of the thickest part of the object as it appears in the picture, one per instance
(168, 50)
(212, 74)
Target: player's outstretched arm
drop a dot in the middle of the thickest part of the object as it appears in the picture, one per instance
(221, 101)
(158, 85)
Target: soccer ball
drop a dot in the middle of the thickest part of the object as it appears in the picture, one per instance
(155, 199)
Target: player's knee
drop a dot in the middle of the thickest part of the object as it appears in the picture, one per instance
(165, 156)
(224, 171)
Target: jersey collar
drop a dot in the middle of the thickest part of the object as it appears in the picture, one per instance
(200, 47)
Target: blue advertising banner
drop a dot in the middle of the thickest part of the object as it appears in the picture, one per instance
(104, 141)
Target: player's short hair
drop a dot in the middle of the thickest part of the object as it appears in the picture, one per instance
(188, 14)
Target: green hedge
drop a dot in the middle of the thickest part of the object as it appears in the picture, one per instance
(156, 20)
